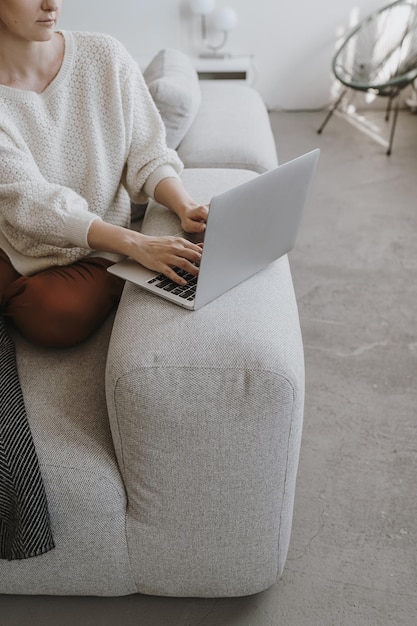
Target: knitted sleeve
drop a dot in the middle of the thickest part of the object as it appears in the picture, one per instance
(35, 213)
(148, 155)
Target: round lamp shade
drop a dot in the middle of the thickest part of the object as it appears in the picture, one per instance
(202, 7)
(225, 19)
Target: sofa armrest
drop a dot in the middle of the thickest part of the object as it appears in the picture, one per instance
(206, 413)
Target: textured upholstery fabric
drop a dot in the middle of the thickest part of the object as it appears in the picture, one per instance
(231, 130)
(65, 403)
(174, 86)
(206, 413)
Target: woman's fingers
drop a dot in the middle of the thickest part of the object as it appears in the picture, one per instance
(185, 256)
(163, 254)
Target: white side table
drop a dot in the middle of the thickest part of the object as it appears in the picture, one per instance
(235, 67)
(239, 67)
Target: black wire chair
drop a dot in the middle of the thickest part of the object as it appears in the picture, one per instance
(379, 56)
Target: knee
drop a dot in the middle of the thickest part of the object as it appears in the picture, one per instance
(47, 318)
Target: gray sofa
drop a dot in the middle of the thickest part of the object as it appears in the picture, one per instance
(169, 441)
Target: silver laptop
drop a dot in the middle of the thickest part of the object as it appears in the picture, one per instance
(248, 227)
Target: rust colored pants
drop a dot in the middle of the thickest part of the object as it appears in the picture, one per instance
(61, 306)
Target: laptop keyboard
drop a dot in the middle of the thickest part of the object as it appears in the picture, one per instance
(183, 291)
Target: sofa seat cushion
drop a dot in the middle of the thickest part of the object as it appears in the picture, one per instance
(231, 130)
(65, 403)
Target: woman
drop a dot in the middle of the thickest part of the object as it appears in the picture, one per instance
(80, 137)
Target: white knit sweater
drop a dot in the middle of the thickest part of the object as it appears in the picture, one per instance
(75, 152)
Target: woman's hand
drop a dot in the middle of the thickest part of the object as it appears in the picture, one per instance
(193, 218)
(171, 193)
(161, 254)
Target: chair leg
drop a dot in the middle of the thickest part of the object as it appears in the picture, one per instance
(331, 111)
(394, 122)
(388, 110)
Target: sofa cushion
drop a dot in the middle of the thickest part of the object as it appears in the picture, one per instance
(231, 129)
(66, 408)
(174, 86)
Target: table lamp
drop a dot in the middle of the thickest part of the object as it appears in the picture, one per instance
(223, 20)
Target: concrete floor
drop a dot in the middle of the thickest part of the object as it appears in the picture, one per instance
(352, 559)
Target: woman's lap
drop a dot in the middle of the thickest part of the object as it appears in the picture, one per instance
(61, 306)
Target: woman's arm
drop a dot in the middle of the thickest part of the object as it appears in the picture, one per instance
(152, 169)
(157, 253)
(171, 193)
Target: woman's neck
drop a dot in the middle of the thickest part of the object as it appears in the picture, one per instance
(31, 66)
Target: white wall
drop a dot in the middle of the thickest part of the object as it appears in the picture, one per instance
(292, 42)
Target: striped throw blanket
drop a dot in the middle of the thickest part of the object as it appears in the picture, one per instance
(24, 519)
